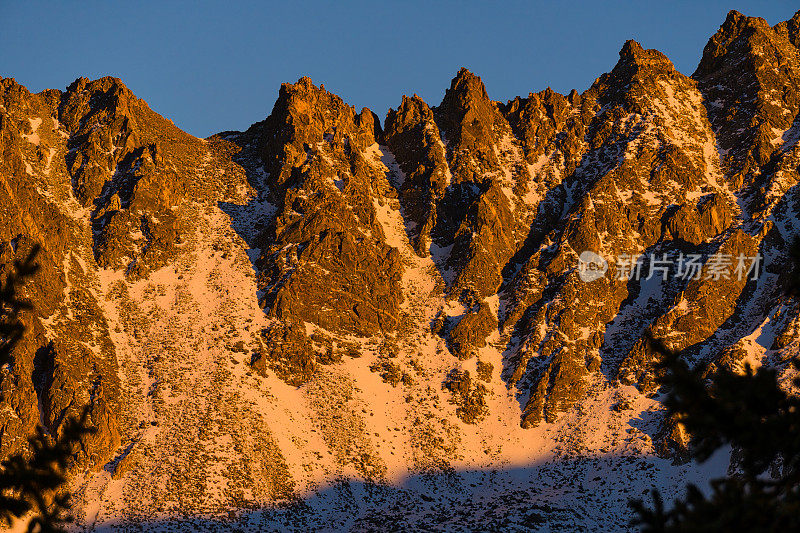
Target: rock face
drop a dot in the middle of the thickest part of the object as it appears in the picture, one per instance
(470, 332)
(250, 315)
(324, 259)
(413, 136)
(96, 179)
(66, 359)
(129, 167)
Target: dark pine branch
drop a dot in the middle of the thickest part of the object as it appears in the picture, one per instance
(11, 305)
(755, 416)
(33, 483)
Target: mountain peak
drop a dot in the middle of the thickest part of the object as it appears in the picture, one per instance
(633, 52)
(469, 85)
(103, 84)
(741, 36)
(631, 49)
(790, 29)
(737, 27)
(305, 83)
(635, 73)
(735, 19)
(744, 64)
(465, 74)
(467, 117)
(411, 106)
(467, 93)
(305, 114)
(303, 86)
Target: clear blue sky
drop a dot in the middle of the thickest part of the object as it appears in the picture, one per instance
(212, 66)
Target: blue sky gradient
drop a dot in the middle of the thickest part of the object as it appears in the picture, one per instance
(213, 66)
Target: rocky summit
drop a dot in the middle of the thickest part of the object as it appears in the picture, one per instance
(434, 321)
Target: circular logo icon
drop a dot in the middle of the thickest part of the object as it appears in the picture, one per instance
(591, 266)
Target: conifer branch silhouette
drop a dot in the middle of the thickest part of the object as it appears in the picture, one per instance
(11, 306)
(33, 483)
(753, 414)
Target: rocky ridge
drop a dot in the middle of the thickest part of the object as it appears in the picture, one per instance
(257, 315)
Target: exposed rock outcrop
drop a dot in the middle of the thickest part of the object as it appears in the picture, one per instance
(324, 259)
